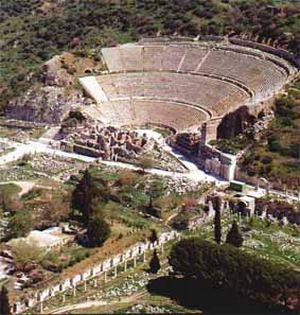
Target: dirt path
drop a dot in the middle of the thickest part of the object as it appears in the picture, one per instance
(127, 299)
(26, 186)
(171, 217)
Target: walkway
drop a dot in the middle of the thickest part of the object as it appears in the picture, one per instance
(89, 304)
(194, 173)
(26, 186)
(33, 147)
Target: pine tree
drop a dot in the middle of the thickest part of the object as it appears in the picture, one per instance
(4, 302)
(234, 236)
(154, 263)
(217, 220)
(153, 237)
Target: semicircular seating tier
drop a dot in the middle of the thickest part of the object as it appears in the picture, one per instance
(182, 84)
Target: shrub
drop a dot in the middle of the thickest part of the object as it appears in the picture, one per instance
(25, 253)
(266, 159)
(234, 237)
(20, 224)
(145, 162)
(274, 144)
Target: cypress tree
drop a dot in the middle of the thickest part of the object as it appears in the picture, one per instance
(234, 237)
(87, 193)
(98, 230)
(4, 302)
(217, 220)
(153, 237)
(154, 263)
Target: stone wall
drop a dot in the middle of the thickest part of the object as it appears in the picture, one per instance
(266, 48)
(216, 162)
(281, 53)
(96, 270)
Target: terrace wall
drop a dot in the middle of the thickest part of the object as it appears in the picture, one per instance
(96, 270)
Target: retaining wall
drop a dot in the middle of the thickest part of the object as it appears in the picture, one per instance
(93, 271)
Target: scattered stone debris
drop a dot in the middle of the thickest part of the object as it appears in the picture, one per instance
(107, 143)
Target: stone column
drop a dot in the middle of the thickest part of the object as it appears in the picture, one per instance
(105, 276)
(85, 286)
(125, 266)
(64, 298)
(95, 283)
(41, 307)
(116, 271)
(74, 290)
(144, 256)
(134, 262)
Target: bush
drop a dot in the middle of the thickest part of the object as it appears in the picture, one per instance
(145, 162)
(274, 144)
(234, 236)
(20, 224)
(25, 253)
(266, 159)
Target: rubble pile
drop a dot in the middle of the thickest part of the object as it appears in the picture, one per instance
(107, 143)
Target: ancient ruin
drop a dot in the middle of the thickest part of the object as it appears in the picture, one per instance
(189, 86)
(107, 143)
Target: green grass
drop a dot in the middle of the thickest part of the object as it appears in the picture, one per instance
(231, 146)
(9, 190)
(163, 131)
(278, 244)
(6, 151)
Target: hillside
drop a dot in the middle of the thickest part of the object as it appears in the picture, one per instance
(276, 155)
(35, 31)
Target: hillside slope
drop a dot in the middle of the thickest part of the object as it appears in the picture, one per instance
(34, 31)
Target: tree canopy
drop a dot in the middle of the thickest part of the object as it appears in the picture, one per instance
(229, 267)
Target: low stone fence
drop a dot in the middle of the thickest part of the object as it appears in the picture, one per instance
(101, 268)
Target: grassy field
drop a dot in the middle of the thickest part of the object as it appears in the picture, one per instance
(276, 243)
